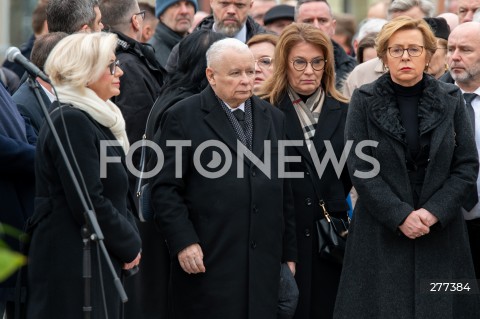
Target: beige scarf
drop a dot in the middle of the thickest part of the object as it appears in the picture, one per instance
(104, 112)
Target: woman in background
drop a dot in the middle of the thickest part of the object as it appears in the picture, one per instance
(263, 49)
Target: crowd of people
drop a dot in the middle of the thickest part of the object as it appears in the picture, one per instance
(263, 119)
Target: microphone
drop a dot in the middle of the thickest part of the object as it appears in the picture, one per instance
(15, 56)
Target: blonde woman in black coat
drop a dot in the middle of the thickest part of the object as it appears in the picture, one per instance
(86, 74)
(407, 231)
(303, 87)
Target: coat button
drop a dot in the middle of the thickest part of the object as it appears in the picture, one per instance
(308, 201)
(253, 244)
(307, 232)
(307, 173)
(255, 209)
(254, 174)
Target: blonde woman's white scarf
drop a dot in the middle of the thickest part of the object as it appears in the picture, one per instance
(104, 112)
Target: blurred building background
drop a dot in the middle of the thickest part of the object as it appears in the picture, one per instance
(15, 17)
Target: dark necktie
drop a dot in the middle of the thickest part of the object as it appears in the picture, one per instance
(469, 97)
(240, 116)
(472, 199)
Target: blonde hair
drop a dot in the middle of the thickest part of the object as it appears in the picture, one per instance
(263, 37)
(80, 58)
(296, 33)
(405, 23)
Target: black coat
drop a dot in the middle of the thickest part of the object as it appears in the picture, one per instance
(317, 279)
(245, 226)
(344, 64)
(385, 273)
(55, 286)
(163, 41)
(29, 107)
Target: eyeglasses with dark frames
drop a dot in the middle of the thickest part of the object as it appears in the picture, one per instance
(113, 66)
(301, 64)
(264, 62)
(141, 13)
(398, 51)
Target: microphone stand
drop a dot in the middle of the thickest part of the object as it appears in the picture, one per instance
(91, 230)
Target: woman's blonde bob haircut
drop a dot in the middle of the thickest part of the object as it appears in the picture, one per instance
(405, 23)
(80, 58)
(276, 86)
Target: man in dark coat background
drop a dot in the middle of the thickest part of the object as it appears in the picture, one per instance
(229, 18)
(139, 88)
(175, 19)
(227, 235)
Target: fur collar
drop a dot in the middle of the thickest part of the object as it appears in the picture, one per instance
(384, 112)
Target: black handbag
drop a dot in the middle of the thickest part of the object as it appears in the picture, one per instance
(332, 236)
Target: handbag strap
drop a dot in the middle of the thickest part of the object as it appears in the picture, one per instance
(315, 182)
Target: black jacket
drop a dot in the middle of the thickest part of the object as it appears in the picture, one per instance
(163, 42)
(344, 64)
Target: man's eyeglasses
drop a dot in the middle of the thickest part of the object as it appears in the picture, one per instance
(265, 62)
(317, 64)
(141, 13)
(113, 66)
(413, 51)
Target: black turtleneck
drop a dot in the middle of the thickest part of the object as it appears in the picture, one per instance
(407, 101)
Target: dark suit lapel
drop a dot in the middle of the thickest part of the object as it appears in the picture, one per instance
(261, 126)
(217, 119)
(328, 121)
(293, 127)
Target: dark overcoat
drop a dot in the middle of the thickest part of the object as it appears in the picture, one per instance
(317, 279)
(245, 226)
(385, 274)
(55, 285)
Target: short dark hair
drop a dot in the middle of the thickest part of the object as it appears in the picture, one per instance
(70, 15)
(149, 10)
(43, 45)
(368, 41)
(39, 16)
(117, 12)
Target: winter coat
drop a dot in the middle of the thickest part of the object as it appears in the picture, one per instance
(245, 226)
(317, 279)
(385, 274)
(55, 284)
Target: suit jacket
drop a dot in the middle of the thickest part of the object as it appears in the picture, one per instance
(317, 279)
(245, 226)
(29, 106)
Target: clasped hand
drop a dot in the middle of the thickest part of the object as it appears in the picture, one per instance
(418, 223)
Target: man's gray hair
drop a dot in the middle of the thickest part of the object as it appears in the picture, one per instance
(373, 25)
(300, 2)
(215, 52)
(70, 16)
(399, 6)
(116, 14)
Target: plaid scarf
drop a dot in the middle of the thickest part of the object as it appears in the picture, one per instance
(308, 112)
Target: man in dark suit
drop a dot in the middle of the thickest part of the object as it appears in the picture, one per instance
(228, 225)
(27, 103)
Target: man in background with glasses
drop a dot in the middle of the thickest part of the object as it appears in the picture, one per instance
(139, 88)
